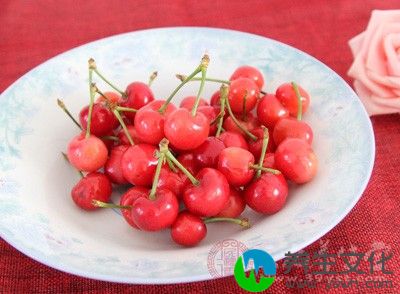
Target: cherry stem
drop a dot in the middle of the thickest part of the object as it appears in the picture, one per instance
(66, 158)
(65, 109)
(265, 169)
(244, 222)
(161, 159)
(244, 116)
(121, 121)
(263, 92)
(187, 79)
(126, 109)
(263, 149)
(93, 66)
(194, 181)
(102, 204)
(299, 103)
(242, 128)
(89, 121)
(110, 138)
(204, 65)
(152, 78)
(183, 77)
(171, 165)
(224, 90)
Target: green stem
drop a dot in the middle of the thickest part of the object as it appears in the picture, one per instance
(244, 222)
(204, 66)
(161, 158)
(171, 165)
(126, 109)
(89, 122)
(182, 77)
(243, 129)
(65, 109)
(122, 93)
(224, 96)
(263, 150)
(121, 121)
(102, 204)
(244, 116)
(194, 181)
(66, 158)
(152, 78)
(299, 103)
(265, 169)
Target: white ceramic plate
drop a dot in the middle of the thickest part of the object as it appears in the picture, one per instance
(38, 217)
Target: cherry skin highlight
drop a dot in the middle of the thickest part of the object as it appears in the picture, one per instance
(94, 186)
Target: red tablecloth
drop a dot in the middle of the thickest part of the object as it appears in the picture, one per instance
(33, 31)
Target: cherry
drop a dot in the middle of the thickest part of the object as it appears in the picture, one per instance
(256, 146)
(128, 198)
(234, 139)
(215, 99)
(270, 110)
(235, 206)
(188, 102)
(155, 214)
(188, 160)
(269, 160)
(103, 120)
(296, 160)
(235, 163)
(267, 194)
(209, 195)
(149, 122)
(138, 164)
(171, 180)
(111, 97)
(94, 186)
(211, 113)
(287, 96)
(250, 124)
(87, 154)
(206, 154)
(250, 72)
(292, 128)
(113, 168)
(123, 139)
(186, 131)
(138, 94)
(243, 94)
(188, 229)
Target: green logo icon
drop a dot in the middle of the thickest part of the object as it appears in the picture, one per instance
(261, 259)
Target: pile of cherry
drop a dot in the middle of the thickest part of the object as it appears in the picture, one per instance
(198, 163)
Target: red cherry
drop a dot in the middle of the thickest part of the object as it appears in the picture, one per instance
(138, 94)
(287, 96)
(173, 181)
(234, 139)
(185, 131)
(188, 229)
(250, 72)
(270, 110)
(269, 160)
(296, 160)
(113, 168)
(189, 161)
(235, 206)
(128, 198)
(111, 97)
(235, 164)
(215, 99)
(188, 102)
(103, 120)
(155, 215)
(123, 139)
(292, 128)
(138, 164)
(210, 196)
(211, 113)
(250, 124)
(240, 90)
(94, 186)
(149, 122)
(87, 154)
(207, 153)
(256, 146)
(267, 194)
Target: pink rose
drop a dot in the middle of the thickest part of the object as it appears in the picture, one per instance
(376, 66)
